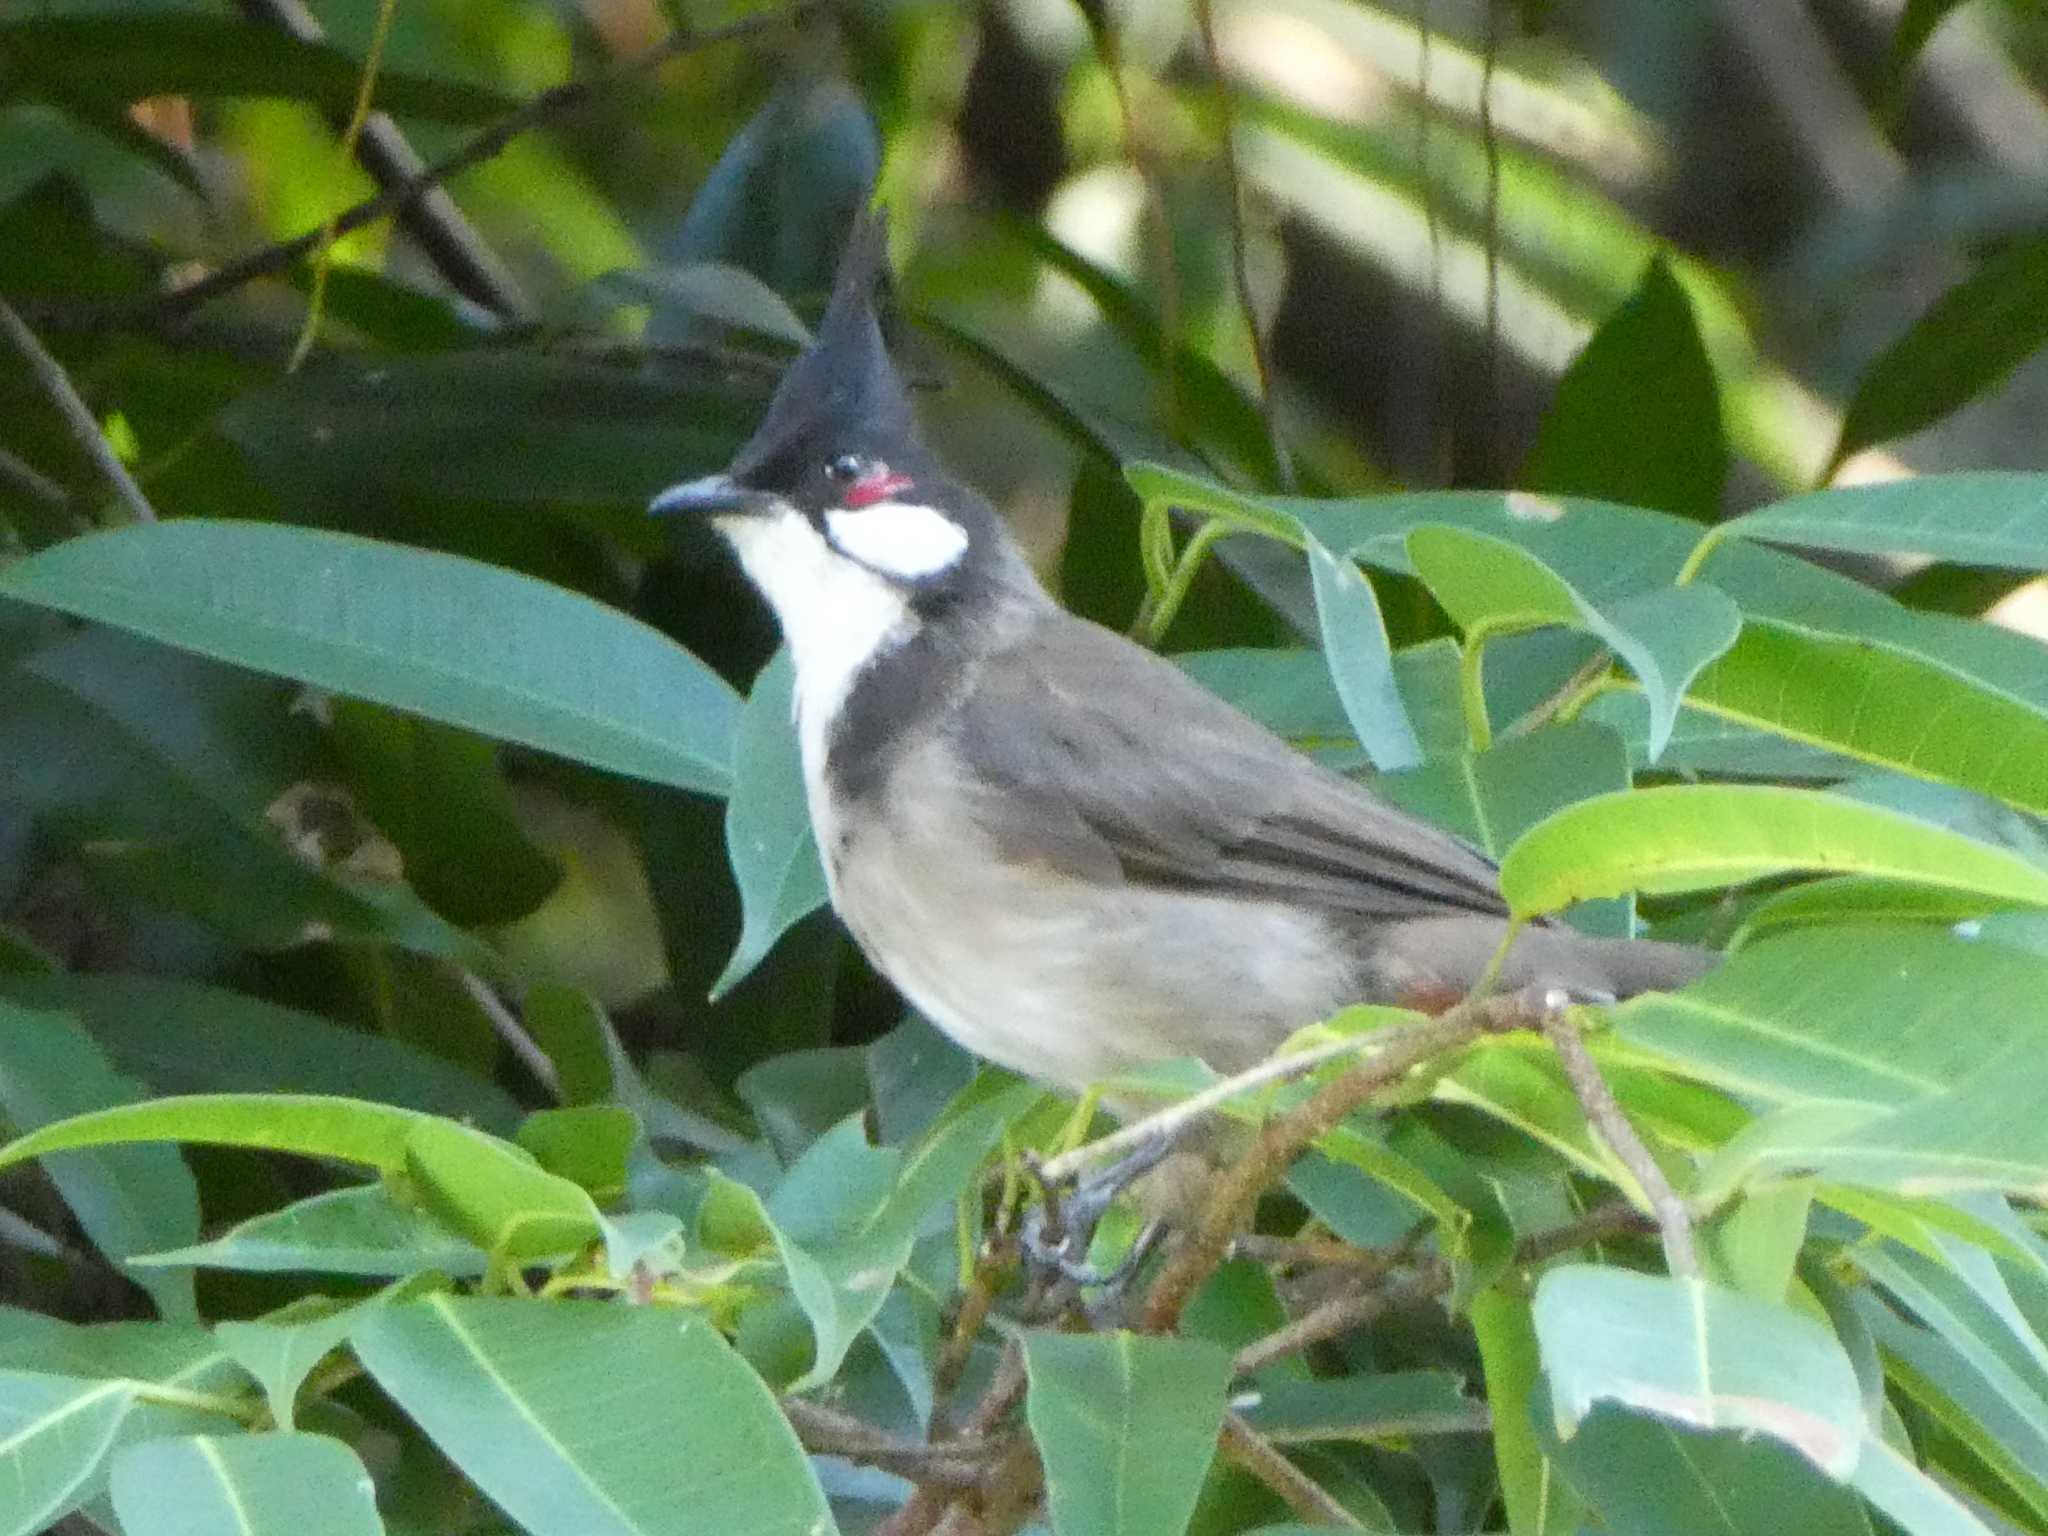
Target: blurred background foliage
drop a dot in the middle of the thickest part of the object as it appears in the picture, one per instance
(1292, 246)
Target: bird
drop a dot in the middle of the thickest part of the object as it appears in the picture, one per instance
(1066, 853)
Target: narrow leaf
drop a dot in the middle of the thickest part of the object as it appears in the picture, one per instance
(452, 639)
(357, 1231)
(128, 1199)
(768, 826)
(1986, 518)
(311, 1125)
(1967, 345)
(1689, 837)
(1361, 661)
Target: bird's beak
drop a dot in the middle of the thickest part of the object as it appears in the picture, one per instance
(708, 496)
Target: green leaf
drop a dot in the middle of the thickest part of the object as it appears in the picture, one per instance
(1361, 662)
(1690, 837)
(280, 1351)
(495, 1194)
(205, 1485)
(1665, 637)
(53, 1432)
(441, 797)
(1638, 416)
(1893, 1057)
(311, 1125)
(598, 1419)
(1127, 1425)
(186, 1037)
(2003, 1428)
(1387, 1405)
(1855, 898)
(1966, 345)
(768, 826)
(128, 1199)
(1987, 518)
(588, 1144)
(1875, 1017)
(357, 1231)
(167, 768)
(592, 436)
(1648, 1475)
(453, 639)
(1898, 705)
(1699, 1356)
(1491, 798)
(127, 57)
(1918, 1504)
(1539, 1501)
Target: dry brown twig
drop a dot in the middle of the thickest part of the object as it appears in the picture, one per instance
(1674, 1220)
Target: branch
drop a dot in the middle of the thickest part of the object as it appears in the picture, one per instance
(450, 241)
(85, 428)
(1343, 1313)
(1240, 1186)
(1422, 1278)
(1597, 1100)
(403, 194)
(21, 476)
(1254, 1453)
(962, 1463)
(508, 1029)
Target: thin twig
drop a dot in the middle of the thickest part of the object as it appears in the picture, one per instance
(1169, 1121)
(56, 387)
(1420, 1277)
(1240, 1186)
(511, 1031)
(1252, 1452)
(544, 108)
(1674, 1221)
(21, 476)
(1240, 266)
(1342, 1314)
(828, 1432)
(461, 255)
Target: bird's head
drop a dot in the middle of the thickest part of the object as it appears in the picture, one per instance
(835, 507)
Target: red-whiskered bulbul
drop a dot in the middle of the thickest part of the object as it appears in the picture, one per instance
(1070, 856)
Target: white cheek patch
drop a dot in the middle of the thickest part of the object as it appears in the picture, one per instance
(899, 538)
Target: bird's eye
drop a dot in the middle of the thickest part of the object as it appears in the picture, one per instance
(846, 468)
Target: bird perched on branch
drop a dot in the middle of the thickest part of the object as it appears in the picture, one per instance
(1071, 857)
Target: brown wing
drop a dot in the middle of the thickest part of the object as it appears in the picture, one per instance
(1108, 763)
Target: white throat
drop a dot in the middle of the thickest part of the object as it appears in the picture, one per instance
(836, 615)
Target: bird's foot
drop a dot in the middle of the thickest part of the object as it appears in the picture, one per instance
(1058, 1234)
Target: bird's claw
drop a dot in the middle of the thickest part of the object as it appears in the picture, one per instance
(1057, 1235)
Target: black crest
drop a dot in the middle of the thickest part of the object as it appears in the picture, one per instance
(842, 394)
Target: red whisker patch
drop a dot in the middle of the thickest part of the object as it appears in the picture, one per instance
(878, 484)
